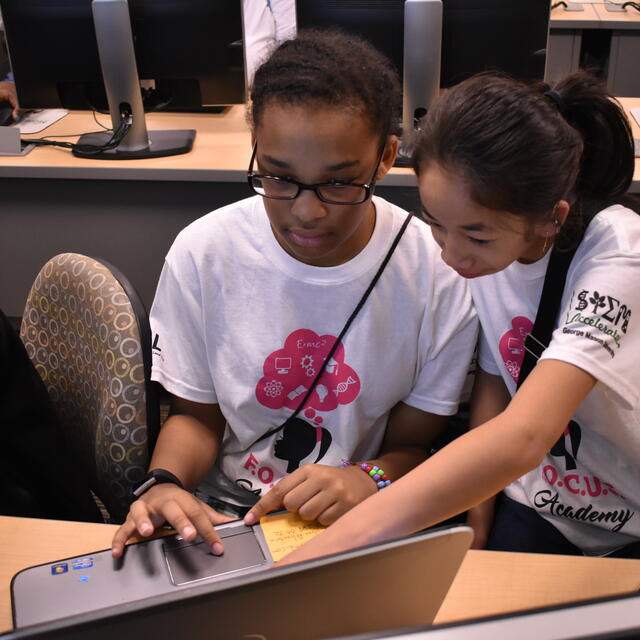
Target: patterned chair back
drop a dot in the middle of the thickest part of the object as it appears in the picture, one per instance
(87, 333)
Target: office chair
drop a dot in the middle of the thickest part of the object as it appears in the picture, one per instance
(87, 334)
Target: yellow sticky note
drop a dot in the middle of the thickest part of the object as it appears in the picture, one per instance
(285, 532)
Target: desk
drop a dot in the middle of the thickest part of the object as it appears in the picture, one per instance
(566, 29)
(129, 212)
(126, 212)
(488, 582)
(565, 39)
(221, 153)
(623, 77)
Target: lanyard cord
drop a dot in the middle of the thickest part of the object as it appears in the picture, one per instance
(348, 323)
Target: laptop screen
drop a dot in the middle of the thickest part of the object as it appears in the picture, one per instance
(602, 619)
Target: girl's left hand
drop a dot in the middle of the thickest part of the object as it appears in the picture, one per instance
(316, 492)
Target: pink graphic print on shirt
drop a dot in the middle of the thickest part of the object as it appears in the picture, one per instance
(289, 372)
(288, 375)
(512, 345)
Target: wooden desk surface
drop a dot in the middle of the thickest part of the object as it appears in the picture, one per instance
(560, 18)
(222, 146)
(593, 16)
(221, 152)
(628, 19)
(487, 583)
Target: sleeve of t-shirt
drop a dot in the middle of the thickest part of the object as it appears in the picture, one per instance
(597, 329)
(178, 334)
(448, 340)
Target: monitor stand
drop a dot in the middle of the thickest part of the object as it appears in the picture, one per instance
(421, 67)
(160, 143)
(122, 86)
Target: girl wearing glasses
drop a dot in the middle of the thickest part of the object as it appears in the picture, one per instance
(510, 178)
(267, 403)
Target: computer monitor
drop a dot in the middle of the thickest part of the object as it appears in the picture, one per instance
(83, 54)
(408, 32)
(437, 43)
(509, 36)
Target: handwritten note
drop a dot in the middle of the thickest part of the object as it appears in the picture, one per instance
(285, 532)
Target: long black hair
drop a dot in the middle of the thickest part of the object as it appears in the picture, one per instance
(522, 148)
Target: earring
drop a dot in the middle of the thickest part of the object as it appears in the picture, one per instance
(545, 245)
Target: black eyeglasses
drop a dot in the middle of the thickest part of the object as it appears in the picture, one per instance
(329, 192)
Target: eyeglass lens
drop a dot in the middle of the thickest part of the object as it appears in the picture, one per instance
(278, 188)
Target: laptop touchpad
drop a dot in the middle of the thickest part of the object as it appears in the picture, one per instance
(192, 562)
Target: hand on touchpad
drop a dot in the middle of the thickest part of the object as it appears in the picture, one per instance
(196, 562)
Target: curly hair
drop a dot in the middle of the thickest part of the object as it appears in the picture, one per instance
(331, 69)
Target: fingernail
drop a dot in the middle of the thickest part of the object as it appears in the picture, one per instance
(187, 532)
(249, 518)
(217, 548)
(146, 529)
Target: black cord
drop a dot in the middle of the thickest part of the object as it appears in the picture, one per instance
(635, 5)
(559, 4)
(112, 143)
(93, 113)
(342, 333)
(67, 135)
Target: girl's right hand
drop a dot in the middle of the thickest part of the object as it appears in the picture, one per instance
(188, 515)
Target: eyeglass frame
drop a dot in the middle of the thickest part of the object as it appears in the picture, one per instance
(368, 187)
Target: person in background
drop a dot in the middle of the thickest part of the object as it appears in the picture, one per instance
(266, 24)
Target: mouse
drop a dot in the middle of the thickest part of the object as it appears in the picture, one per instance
(6, 114)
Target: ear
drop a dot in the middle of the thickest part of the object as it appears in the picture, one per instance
(562, 211)
(550, 227)
(388, 157)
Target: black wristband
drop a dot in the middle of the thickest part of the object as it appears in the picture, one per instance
(154, 477)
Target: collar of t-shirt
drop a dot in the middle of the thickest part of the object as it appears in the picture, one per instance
(386, 226)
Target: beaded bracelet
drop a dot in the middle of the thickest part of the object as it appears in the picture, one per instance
(377, 474)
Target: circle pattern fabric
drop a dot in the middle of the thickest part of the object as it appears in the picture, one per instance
(81, 333)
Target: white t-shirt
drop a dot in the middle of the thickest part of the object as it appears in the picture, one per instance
(266, 23)
(588, 486)
(239, 322)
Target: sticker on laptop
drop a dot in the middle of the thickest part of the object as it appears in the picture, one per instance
(57, 569)
(83, 563)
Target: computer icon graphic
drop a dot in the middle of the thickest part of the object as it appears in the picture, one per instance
(283, 365)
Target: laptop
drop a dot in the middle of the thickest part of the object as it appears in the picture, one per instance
(171, 587)
(599, 619)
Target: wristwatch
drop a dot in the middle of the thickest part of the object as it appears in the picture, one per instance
(156, 476)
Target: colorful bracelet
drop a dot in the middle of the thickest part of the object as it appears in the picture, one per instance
(377, 474)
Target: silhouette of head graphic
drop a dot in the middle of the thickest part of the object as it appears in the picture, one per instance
(298, 440)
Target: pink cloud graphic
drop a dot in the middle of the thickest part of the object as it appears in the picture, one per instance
(512, 345)
(289, 372)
